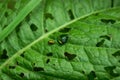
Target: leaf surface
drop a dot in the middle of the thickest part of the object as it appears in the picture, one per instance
(60, 40)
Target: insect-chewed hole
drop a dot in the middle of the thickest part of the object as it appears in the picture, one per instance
(21, 74)
(117, 53)
(4, 51)
(45, 30)
(27, 18)
(22, 55)
(106, 37)
(48, 15)
(6, 14)
(18, 27)
(49, 54)
(99, 44)
(33, 64)
(17, 63)
(12, 67)
(70, 56)
(112, 3)
(33, 27)
(91, 75)
(108, 21)
(64, 30)
(96, 14)
(119, 61)
(83, 72)
(38, 69)
(53, 64)
(109, 70)
(71, 15)
(4, 54)
(5, 26)
(48, 60)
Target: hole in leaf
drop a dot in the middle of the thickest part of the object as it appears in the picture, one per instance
(17, 63)
(112, 3)
(6, 14)
(5, 26)
(70, 56)
(18, 27)
(110, 69)
(53, 64)
(51, 42)
(46, 30)
(62, 39)
(12, 67)
(108, 21)
(71, 15)
(96, 14)
(83, 72)
(4, 54)
(33, 27)
(50, 54)
(64, 30)
(100, 43)
(21, 74)
(117, 53)
(27, 18)
(38, 69)
(33, 64)
(48, 15)
(106, 37)
(119, 61)
(91, 75)
(22, 55)
(48, 60)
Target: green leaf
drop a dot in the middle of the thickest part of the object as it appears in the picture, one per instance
(60, 40)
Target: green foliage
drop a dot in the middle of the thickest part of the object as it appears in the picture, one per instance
(59, 40)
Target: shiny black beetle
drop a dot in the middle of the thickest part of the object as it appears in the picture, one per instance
(62, 39)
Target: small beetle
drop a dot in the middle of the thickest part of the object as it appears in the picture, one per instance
(62, 39)
(50, 42)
